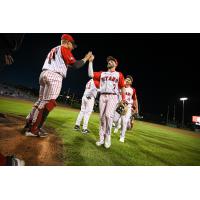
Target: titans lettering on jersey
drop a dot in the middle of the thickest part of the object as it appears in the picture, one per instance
(58, 60)
(110, 82)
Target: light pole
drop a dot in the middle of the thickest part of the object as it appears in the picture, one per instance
(183, 99)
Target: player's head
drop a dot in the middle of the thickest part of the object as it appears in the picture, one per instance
(112, 62)
(68, 41)
(129, 80)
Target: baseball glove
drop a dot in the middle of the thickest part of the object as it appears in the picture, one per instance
(122, 108)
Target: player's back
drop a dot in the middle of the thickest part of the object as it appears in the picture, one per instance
(54, 62)
(90, 89)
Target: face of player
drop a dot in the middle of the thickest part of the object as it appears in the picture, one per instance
(128, 82)
(111, 64)
(70, 46)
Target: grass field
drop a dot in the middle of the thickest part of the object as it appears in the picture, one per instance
(147, 144)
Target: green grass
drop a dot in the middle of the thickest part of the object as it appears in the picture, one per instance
(145, 145)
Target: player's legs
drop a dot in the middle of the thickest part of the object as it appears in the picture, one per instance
(110, 110)
(124, 123)
(118, 124)
(29, 117)
(103, 124)
(81, 113)
(52, 87)
(88, 112)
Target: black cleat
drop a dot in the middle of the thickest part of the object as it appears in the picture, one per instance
(85, 131)
(77, 128)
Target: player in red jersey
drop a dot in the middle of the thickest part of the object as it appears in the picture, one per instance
(54, 70)
(111, 81)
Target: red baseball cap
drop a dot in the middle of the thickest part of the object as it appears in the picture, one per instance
(69, 38)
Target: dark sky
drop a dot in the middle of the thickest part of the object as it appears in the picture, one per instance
(164, 66)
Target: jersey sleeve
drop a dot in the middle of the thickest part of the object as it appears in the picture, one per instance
(97, 76)
(121, 83)
(67, 56)
(97, 83)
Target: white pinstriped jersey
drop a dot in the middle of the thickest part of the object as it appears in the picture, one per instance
(129, 91)
(109, 82)
(129, 95)
(90, 89)
(55, 63)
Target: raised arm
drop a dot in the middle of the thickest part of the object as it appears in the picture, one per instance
(79, 63)
(90, 67)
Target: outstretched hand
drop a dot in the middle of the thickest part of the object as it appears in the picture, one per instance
(88, 55)
(91, 58)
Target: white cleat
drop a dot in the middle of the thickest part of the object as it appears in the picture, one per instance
(121, 139)
(29, 134)
(107, 142)
(99, 143)
(40, 134)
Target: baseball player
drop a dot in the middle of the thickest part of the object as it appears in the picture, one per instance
(54, 70)
(87, 105)
(111, 82)
(131, 99)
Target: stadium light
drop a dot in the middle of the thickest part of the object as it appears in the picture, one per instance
(183, 99)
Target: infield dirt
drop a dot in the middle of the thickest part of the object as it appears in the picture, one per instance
(34, 151)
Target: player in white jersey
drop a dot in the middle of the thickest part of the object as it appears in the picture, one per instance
(87, 105)
(54, 70)
(131, 99)
(111, 82)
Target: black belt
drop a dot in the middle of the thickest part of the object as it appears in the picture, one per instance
(109, 93)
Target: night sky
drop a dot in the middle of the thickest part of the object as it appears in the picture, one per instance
(164, 66)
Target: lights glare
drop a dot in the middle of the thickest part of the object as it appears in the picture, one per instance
(183, 98)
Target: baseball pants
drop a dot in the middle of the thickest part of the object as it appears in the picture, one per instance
(125, 119)
(50, 87)
(87, 106)
(107, 107)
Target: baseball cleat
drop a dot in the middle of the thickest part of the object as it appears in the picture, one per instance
(99, 143)
(29, 134)
(107, 143)
(43, 131)
(39, 134)
(121, 139)
(77, 128)
(42, 134)
(85, 131)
